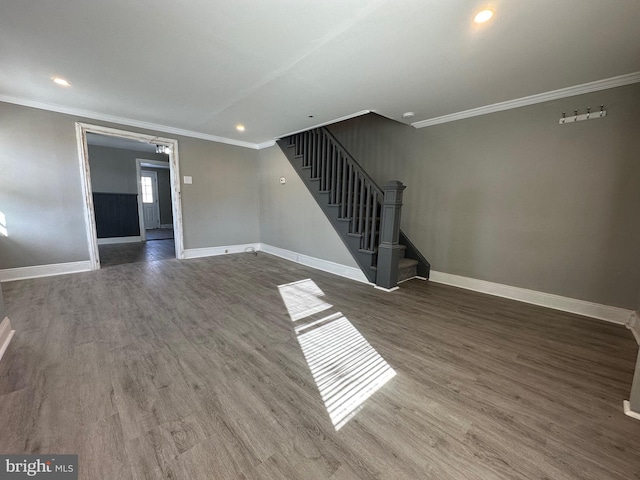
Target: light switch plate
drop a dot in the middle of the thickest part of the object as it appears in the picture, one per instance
(188, 180)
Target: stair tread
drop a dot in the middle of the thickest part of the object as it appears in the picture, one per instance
(407, 262)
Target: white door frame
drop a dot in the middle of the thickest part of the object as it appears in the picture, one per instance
(90, 218)
(139, 168)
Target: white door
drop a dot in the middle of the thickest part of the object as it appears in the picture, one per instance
(150, 204)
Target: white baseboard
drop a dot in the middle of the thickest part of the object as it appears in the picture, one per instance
(572, 305)
(113, 240)
(353, 273)
(392, 289)
(627, 410)
(213, 251)
(633, 324)
(6, 334)
(37, 271)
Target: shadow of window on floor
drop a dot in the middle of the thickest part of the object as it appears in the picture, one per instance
(346, 368)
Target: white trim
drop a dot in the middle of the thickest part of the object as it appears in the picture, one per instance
(114, 240)
(223, 250)
(627, 410)
(392, 289)
(337, 269)
(176, 199)
(37, 271)
(166, 225)
(6, 334)
(154, 164)
(596, 86)
(267, 144)
(572, 305)
(633, 324)
(89, 212)
(129, 122)
(335, 120)
(415, 277)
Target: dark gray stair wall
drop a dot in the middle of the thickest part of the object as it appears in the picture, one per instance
(423, 267)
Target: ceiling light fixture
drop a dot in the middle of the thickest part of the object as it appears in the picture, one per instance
(483, 16)
(240, 128)
(163, 149)
(61, 81)
(408, 115)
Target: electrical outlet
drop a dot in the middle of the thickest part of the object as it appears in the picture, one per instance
(283, 180)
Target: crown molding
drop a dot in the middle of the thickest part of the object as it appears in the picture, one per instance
(124, 121)
(583, 88)
(267, 144)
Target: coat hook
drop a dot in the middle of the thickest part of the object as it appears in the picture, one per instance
(588, 112)
(563, 117)
(601, 110)
(575, 115)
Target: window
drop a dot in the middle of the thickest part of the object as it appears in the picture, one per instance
(147, 190)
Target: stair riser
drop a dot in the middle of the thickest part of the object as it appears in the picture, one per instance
(406, 273)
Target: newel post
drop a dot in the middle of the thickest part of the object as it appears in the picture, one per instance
(390, 250)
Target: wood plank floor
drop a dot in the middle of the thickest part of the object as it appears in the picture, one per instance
(195, 370)
(149, 251)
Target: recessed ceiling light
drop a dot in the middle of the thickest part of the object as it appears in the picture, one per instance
(483, 16)
(240, 128)
(61, 81)
(408, 115)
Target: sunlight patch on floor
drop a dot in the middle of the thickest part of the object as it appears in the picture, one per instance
(346, 368)
(302, 299)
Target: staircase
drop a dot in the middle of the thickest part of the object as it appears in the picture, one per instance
(366, 217)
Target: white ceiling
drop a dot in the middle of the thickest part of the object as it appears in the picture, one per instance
(207, 65)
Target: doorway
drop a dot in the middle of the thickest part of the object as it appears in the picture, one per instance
(168, 146)
(150, 201)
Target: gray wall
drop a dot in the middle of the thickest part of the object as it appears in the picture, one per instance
(223, 204)
(290, 218)
(113, 170)
(41, 196)
(514, 198)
